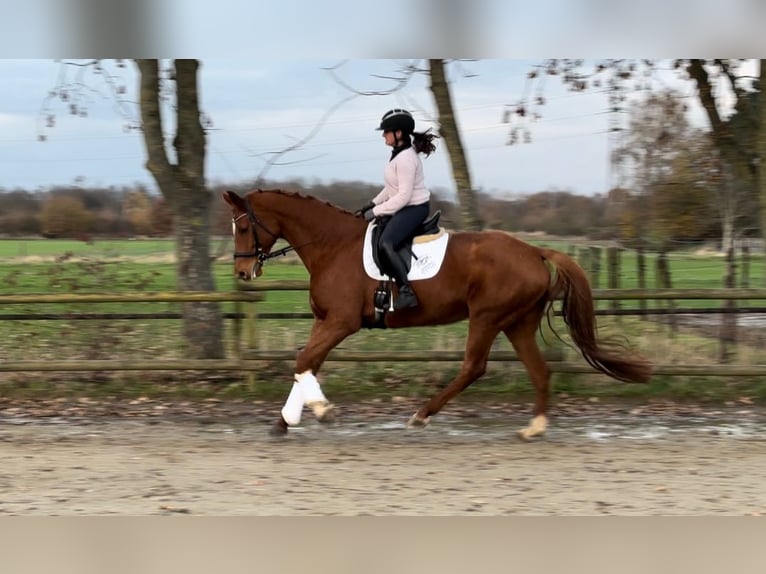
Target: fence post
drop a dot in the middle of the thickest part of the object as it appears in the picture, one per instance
(664, 282)
(583, 258)
(745, 280)
(251, 316)
(613, 278)
(237, 331)
(745, 277)
(641, 264)
(595, 267)
(729, 319)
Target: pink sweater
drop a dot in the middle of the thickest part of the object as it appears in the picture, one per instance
(403, 177)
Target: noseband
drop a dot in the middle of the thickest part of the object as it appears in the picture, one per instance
(258, 252)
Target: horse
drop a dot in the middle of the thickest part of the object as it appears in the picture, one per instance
(496, 281)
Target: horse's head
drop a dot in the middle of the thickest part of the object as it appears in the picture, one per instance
(253, 238)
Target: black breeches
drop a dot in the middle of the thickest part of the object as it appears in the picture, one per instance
(402, 225)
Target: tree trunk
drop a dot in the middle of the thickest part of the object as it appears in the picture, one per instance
(762, 157)
(727, 231)
(728, 334)
(448, 130)
(739, 168)
(183, 186)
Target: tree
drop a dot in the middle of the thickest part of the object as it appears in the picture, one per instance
(181, 181)
(182, 184)
(734, 127)
(735, 133)
(137, 207)
(162, 218)
(19, 212)
(657, 133)
(449, 131)
(762, 154)
(734, 136)
(64, 216)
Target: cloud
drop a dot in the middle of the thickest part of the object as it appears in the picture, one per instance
(10, 123)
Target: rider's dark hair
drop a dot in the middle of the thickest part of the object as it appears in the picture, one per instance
(423, 142)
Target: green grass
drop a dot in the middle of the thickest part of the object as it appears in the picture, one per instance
(690, 269)
(16, 248)
(99, 248)
(96, 271)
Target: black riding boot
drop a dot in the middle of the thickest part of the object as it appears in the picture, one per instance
(406, 297)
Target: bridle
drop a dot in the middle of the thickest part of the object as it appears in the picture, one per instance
(258, 252)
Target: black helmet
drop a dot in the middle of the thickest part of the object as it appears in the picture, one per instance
(397, 119)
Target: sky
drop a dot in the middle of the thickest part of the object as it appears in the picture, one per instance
(265, 83)
(258, 107)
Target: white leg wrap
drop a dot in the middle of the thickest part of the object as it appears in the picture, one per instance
(293, 408)
(310, 389)
(313, 397)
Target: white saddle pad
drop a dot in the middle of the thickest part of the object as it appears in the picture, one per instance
(428, 258)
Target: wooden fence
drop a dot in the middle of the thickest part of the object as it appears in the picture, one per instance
(252, 357)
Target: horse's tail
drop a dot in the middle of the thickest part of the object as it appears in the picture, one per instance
(571, 285)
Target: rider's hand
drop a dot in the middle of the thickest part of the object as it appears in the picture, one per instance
(369, 215)
(360, 212)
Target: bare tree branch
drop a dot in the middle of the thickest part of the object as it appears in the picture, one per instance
(300, 143)
(157, 162)
(77, 94)
(440, 90)
(400, 81)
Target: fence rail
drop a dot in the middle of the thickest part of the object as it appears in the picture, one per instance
(254, 293)
(304, 315)
(156, 297)
(250, 359)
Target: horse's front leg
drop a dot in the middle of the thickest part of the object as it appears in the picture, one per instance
(325, 335)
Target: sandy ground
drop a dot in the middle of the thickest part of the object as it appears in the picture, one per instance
(467, 462)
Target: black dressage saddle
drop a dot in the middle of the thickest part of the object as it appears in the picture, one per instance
(429, 227)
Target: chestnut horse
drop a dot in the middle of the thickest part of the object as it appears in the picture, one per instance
(497, 282)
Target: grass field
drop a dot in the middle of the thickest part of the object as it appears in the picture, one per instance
(145, 265)
(688, 269)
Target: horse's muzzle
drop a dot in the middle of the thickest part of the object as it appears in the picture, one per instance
(250, 274)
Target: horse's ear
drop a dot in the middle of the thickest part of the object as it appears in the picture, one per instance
(234, 200)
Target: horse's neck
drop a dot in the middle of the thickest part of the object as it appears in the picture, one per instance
(317, 233)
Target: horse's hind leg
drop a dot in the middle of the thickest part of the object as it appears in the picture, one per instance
(478, 345)
(522, 337)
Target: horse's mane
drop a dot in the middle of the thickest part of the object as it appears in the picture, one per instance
(302, 196)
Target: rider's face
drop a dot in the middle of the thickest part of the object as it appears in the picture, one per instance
(389, 138)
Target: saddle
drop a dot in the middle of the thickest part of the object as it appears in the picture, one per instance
(429, 227)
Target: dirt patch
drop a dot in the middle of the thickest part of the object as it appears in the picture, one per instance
(217, 459)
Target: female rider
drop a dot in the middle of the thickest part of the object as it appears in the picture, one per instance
(404, 198)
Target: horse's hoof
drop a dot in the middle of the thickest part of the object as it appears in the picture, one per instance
(536, 428)
(324, 412)
(526, 435)
(416, 422)
(279, 428)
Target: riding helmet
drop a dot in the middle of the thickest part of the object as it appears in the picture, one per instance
(397, 119)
